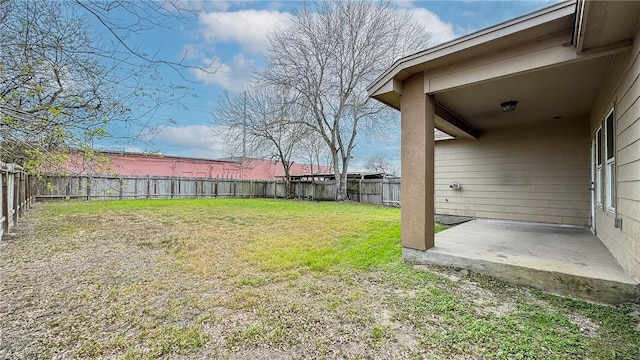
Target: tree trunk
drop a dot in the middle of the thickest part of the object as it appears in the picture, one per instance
(287, 178)
(287, 188)
(341, 181)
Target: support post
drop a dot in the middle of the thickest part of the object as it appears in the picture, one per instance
(418, 145)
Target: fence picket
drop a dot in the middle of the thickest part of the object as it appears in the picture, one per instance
(373, 191)
(16, 195)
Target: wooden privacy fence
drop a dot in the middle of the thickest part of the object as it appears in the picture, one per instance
(17, 195)
(94, 187)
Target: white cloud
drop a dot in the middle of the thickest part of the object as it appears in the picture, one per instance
(194, 140)
(233, 74)
(248, 28)
(440, 30)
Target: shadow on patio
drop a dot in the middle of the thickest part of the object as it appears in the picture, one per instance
(565, 260)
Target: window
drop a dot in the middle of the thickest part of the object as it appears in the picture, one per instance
(610, 132)
(598, 187)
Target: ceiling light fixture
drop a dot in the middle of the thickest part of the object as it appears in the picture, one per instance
(509, 106)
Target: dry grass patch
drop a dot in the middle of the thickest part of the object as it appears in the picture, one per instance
(249, 279)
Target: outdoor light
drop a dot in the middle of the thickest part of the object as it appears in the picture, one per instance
(509, 106)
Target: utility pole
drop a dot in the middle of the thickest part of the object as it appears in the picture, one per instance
(244, 134)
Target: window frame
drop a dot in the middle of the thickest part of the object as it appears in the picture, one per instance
(610, 161)
(598, 167)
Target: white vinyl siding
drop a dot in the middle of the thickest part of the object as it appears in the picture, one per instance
(622, 87)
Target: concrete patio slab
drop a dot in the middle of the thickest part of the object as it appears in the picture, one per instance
(565, 260)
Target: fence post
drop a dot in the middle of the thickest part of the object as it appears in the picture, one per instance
(234, 188)
(215, 188)
(173, 187)
(16, 197)
(32, 183)
(27, 192)
(148, 186)
(23, 193)
(196, 181)
(275, 189)
(89, 181)
(121, 185)
(250, 189)
(5, 202)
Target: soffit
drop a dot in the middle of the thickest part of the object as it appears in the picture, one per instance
(567, 91)
(530, 28)
(609, 22)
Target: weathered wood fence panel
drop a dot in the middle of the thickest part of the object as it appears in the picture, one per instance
(391, 192)
(17, 195)
(372, 191)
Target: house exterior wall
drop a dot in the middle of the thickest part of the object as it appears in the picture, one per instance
(622, 88)
(536, 172)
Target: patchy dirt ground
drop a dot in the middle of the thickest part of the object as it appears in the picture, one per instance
(149, 282)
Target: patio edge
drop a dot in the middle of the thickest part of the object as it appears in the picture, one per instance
(574, 286)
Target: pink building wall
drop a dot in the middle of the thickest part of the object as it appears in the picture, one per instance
(136, 164)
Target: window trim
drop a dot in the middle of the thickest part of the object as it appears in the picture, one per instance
(598, 167)
(610, 168)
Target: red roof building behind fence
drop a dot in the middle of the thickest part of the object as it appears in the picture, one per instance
(140, 164)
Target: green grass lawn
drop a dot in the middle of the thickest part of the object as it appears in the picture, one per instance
(248, 278)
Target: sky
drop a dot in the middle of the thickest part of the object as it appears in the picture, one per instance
(230, 35)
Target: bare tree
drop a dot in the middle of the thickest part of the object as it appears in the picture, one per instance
(381, 163)
(264, 122)
(65, 83)
(316, 152)
(328, 53)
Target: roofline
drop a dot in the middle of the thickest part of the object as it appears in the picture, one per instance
(157, 155)
(477, 38)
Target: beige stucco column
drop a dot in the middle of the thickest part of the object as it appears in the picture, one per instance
(417, 117)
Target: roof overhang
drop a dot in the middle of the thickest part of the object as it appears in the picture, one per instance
(387, 88)
(601, 24)
(552, 60)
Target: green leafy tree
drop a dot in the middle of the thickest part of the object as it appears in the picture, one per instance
(70, 73)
